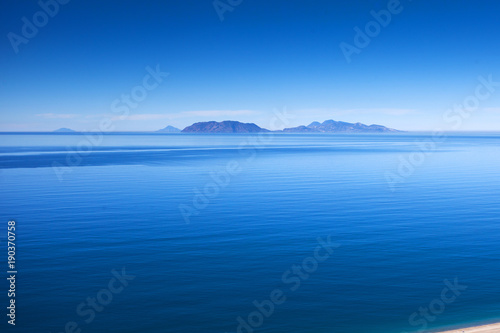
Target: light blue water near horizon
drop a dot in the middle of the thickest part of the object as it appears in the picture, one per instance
(118, 206)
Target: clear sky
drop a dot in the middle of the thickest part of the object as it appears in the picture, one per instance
(79, 64)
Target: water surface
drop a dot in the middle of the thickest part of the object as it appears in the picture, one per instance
(84, 207)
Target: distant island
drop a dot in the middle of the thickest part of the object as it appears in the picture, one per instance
(230, 126)
(169, 129)
(64, 130)
(328, 126)
(227, 126)
(332, 126)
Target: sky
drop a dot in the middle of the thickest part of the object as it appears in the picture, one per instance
(143, 65)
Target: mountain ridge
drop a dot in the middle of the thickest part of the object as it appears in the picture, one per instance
(332, 126)
(327, 126)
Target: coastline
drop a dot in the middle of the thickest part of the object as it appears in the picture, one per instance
(490, 328)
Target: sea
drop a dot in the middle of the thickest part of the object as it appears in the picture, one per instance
(217, 233)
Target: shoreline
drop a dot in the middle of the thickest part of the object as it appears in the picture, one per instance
(490, 328)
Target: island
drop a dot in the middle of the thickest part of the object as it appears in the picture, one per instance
(168, 129)
(328, 126)
(64, 130)
(332, 126)
(227, 126)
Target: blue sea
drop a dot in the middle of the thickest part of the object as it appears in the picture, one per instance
(316, 233)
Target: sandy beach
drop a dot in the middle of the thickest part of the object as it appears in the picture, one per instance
(492, 328)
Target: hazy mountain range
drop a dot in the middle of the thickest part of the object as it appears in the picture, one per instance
(332, 126)
(328, 126)
(229, 126)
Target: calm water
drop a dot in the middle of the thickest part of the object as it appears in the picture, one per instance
(119, 207)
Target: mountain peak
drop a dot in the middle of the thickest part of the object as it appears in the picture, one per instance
(314, 124)
(168, 129)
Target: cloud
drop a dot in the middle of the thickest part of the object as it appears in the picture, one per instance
(57, 115)
(188, 114)
(145, 116)
(326, 113)
(386, 111)
(220, 113)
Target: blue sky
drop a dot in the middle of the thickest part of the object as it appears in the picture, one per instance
(262, 57)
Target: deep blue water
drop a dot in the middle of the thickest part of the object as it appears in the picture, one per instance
(118, 206)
